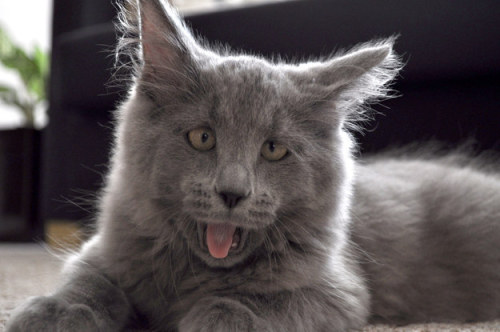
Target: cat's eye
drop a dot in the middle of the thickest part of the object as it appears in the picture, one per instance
(202, 139)
(273, 151)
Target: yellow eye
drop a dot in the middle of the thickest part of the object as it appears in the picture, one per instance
(273, 151)
(202, 139)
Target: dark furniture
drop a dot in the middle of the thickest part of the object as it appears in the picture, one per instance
(19, 185)
(449, 87)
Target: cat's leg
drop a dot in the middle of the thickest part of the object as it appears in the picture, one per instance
(301, 310)
(87, 302)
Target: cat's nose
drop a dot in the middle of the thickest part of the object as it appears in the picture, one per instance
(233, 184)
(230, 199)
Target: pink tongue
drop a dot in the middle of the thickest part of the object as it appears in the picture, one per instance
(219, 239)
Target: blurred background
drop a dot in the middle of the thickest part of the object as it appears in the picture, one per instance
(57, 91)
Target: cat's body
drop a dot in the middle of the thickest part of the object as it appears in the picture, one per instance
(233, 203)
(430, 233)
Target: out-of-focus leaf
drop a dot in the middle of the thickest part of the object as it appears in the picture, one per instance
(33, 70)
(5, 44)
(42, 60)
(10, 97)
(15, 58)
(4, 88)
(23, 64)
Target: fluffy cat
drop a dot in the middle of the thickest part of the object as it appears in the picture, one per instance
(233, 203)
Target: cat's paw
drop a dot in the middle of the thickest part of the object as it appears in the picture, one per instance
(220, 314)
(44, 314)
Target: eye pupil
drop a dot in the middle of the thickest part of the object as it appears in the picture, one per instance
(204, 137)
(272, 147)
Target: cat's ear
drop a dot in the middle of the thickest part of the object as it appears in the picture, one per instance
(355, 78)
(166, 41)
(163, 48)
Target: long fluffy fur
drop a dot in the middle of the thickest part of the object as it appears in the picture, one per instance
(324, 243)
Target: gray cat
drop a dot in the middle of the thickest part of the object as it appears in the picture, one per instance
(233, 203)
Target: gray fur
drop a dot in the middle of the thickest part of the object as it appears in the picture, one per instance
(327, 243)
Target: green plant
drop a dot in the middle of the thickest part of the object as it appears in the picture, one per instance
(32, 67)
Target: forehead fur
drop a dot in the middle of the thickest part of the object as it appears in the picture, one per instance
(250, 88)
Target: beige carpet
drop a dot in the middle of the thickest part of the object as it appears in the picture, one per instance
(25, 270)
(29, 270)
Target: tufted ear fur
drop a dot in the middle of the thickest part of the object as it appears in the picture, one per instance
(165, 39)
(358, 77)
(163, 47)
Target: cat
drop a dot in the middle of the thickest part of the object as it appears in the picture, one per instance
(234, 202)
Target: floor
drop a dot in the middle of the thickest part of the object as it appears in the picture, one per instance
(25, 270)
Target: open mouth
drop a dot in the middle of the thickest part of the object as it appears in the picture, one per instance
(222, 239)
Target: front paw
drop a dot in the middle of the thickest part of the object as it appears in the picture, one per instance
(220, 314)
(44, 314)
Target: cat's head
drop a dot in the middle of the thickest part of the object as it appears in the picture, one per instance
(241, 155)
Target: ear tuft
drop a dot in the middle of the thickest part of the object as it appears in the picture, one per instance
(381, 66)
(354, 79)
(158, 42)
(165, 38)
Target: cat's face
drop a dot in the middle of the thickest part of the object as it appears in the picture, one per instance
(246, 156)
(246, 153)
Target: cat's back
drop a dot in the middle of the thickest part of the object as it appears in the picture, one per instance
(438, 188)
(429, 231)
